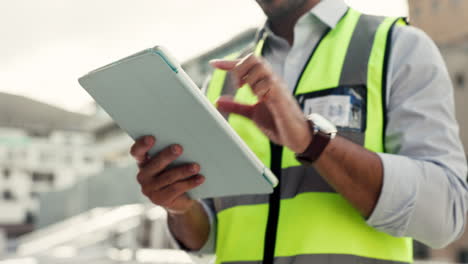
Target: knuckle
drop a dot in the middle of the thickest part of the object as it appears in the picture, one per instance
(246, 62)
(156, 198)
(235, 72)
(170, 203)
(267, 72)
(251, 57)
(268, 81)
(262, 84)
(140, 177)
(188, 184)
(171, 189)
(133, 150)
(167, 177)
(145, 191)
(165, 203)
(254, 61)
(258, 60)
(194, 182)
(157, 165)
(167, 152)
(181, 172)
(255, 72)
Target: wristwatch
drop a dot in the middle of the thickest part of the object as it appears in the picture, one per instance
(323, 131)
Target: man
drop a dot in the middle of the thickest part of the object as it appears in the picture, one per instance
(396, 168)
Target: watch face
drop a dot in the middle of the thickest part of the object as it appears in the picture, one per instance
(322, 123)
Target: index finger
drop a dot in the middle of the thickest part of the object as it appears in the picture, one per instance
(222, 64)
(140, 148)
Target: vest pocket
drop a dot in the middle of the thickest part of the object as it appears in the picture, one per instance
(344, 106)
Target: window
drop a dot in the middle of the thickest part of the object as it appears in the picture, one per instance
(23, 154)
(35, 177)
(460, 80)
(6, 173)
(88, 159)
(68, 159)
(42, 177)
(416, 12)
(10, 155)
(46, 156)
(51, 178)
(39, 134)
(435, 5)
(30, 218)
(7, 195)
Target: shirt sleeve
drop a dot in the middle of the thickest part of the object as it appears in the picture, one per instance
(424, 193)
(209, 247)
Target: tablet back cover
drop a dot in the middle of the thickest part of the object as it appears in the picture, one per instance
(147, 96)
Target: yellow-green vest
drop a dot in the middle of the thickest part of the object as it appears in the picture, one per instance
(315, 224)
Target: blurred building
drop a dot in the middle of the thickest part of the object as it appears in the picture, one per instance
(199, 69)
(45, 141)
(46, 149)
(42, 148)
(446, 22)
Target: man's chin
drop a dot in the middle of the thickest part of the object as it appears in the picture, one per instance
(275, 9)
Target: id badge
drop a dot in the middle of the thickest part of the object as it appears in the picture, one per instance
(343, 106)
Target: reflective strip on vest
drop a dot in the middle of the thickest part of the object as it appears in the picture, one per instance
(323, 258)
(315, 223)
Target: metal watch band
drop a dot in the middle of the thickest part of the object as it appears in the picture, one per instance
(314, 150)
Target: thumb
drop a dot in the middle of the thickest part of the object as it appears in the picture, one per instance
(226, 65)
(226, 104)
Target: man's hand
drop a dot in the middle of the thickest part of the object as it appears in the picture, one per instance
(351, 170)
(165, 186)
(277, 113)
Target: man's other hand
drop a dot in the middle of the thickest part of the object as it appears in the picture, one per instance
(165, 186)
(277, 113)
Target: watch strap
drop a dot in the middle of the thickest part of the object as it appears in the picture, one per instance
(316, 147)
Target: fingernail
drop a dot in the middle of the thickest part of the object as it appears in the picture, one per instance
(176, 149)
(148, 140)
(199, 179)
(213, 61)
(194, 168)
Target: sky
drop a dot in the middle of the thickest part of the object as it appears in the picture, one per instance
(47, 45)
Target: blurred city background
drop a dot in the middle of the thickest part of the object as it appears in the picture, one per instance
(67, 184)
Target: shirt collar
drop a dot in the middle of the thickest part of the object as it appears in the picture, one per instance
(329, 12)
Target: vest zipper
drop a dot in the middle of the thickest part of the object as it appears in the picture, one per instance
(276, 168)
(274, 206)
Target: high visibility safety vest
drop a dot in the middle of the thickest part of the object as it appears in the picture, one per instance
(313, 223)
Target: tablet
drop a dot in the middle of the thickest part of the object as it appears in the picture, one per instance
(149, 93)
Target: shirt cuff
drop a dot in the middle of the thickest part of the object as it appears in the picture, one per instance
(398, 195)
(209, 247)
